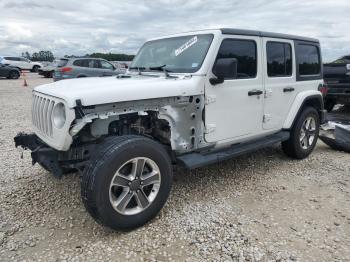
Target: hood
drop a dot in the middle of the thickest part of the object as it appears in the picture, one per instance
(104, 90)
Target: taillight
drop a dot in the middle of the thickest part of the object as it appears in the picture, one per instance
(65, 69)
(323, 88)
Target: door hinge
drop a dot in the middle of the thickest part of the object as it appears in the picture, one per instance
(267, 118)
(209, 128)
(210, 99)
(268, 93)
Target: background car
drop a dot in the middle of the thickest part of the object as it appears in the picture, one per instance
(9, 72)
(20, 62)
(337, 76)
(83, 67)
(121, 66)
(48, 69)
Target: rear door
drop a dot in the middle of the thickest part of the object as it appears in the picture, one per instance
(25, 64)
(280, 77)
(234, 108)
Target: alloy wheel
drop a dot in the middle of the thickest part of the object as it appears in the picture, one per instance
(135, 186)
(307, 132)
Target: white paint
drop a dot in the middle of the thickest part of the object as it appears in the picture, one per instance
(299, 99)
(234, 113)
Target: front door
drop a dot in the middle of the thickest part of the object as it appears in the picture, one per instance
(234, 109)
(24, 64)
(279, 74)
(107, 68)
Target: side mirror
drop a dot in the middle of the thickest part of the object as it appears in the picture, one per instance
(224, 68)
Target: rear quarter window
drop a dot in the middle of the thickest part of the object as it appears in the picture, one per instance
(309, 63)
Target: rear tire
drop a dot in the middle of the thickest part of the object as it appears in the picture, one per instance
(329, 105)
(303, 135)
(129, 159)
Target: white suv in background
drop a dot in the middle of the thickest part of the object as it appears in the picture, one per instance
(20, 62)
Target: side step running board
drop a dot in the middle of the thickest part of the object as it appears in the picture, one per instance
(195, 160)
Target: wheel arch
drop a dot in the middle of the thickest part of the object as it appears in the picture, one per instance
(310, 98)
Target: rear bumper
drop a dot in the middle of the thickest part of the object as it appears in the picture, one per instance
(339, 92)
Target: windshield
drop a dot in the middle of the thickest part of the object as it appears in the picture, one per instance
(184, 54)
(342, 60)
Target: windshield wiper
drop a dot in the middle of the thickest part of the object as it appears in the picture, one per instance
(154, 68)
(161, 68)
(138, 68)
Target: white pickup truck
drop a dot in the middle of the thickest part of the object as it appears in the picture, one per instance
(191, 99)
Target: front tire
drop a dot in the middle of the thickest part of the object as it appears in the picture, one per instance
(127, 183)
(303, 135)
(13, 75)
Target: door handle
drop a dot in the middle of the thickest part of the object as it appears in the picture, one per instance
(288, 89)
(255, 92)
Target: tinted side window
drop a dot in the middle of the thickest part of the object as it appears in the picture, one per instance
(308, 57)
(82, 62)
(97, 64)
(11, 58)
(245, 53)
(279, 59)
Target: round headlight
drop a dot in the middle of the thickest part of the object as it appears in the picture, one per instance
(59, 115)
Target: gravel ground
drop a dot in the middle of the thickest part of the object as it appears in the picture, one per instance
(259, 207)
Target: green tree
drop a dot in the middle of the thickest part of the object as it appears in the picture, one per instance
(42, 56)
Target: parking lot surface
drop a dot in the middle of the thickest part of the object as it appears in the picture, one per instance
(259, 207)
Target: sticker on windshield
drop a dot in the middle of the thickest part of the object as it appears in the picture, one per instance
(186, 45)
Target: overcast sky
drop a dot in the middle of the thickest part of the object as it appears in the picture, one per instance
(82, 26)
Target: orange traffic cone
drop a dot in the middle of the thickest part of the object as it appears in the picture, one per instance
(25, 80)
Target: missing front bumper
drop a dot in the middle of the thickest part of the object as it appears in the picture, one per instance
(56, 162)
(42, 154)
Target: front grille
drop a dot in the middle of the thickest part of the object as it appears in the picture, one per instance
(42, 108)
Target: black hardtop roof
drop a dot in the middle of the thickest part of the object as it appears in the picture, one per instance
(233, 31)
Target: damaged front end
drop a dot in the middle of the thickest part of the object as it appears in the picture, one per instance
(54, 161)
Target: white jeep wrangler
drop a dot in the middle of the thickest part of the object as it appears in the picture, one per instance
(191, 99)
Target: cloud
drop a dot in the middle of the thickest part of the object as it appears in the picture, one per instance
(80, 27)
